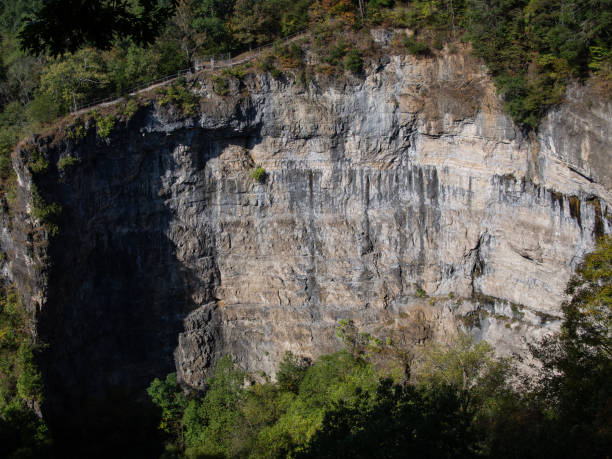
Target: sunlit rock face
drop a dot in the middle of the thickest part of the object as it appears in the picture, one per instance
(403, 199)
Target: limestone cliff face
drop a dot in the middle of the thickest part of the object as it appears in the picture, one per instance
(404, 200)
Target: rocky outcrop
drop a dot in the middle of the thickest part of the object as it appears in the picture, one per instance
(403, 199)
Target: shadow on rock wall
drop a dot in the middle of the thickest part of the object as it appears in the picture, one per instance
(118, 292)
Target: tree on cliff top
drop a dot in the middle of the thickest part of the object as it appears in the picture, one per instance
(62, 26)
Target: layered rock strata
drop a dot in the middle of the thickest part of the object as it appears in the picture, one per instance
(403, 199)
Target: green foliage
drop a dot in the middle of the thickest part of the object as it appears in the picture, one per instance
(13, 333)
(238, 71)
(22, 433)
(267, 64)
(12, 121)
(415, 47)
(402, 421)
(179, 96)
(29, 381)
(276, 73)
(47, 214)
(66, 162)
(129, 109)
(220, 85)
(257, 22)
(588, 316)
(264, 419)
(338, 407)
(356, 343)
(334, 377)
(14, 14)
(353, 61)
(169, 397)
(290, 374)
(209, 422)
(419, 292)
(577, 364)
(601, 60)
(336, 53)
(533, 47)
(129, 65)
(104, 125)
(463, 364)
(77, 131)
(73, 79)
(60, 26)
(37, 163)
(44, 109)
(291, 55)
(259, 174)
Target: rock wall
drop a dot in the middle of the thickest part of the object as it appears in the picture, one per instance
(403, 199)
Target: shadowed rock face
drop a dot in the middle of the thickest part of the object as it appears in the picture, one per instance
(405, 201)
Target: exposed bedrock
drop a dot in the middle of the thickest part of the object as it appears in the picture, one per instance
(404, 200)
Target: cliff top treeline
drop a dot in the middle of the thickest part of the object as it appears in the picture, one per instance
(532, 47)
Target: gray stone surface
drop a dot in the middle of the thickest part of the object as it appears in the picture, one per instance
(408, 178)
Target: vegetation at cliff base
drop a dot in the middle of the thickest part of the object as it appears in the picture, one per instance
(22, 433)
(451, 400)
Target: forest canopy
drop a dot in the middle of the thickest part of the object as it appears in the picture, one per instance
(60, 26)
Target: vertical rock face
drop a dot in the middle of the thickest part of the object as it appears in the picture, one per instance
(404, 200)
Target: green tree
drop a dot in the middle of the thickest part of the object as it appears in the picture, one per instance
(209, 25)
(402, 421)
(22, 432)
(169, 397)
(209, 422)
(577, 363)
(353, 61)
(588, 315)
(291, 372)
(71, 80)
(463, 364)
(61, 26)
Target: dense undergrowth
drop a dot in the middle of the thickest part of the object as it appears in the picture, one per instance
(22, 432)
(456, 400)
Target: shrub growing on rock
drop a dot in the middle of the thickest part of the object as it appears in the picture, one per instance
(259, 174)
(415, 47)
(66, 161)
(353, 61)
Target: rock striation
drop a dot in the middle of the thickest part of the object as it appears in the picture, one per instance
(403, 199)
